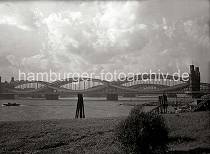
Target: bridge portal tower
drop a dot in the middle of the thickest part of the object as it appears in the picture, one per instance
(209, 71)
(12, 79)
(0, 84)
(194, 81)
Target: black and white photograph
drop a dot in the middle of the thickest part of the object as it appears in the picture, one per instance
(105, 77)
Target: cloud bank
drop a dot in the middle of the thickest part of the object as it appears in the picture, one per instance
(127, 36)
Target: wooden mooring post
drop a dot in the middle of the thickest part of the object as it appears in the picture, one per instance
(80, 107)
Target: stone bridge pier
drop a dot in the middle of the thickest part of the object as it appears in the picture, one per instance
(111, 93)
(112, 97)
(7, 96)
(51, 96)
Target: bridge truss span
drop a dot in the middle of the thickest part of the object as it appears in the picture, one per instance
(135, 85)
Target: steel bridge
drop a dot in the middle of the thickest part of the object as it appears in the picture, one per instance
(129, 86)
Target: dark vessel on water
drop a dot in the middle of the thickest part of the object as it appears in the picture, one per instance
(11, 104)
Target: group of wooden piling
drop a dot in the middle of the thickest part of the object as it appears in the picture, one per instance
(163, 103)
(162, 107)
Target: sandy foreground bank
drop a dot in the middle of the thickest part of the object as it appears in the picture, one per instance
(187, 131)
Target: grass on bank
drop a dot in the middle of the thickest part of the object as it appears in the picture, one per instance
(186, 131)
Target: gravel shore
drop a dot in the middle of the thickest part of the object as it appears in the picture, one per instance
(187, 131)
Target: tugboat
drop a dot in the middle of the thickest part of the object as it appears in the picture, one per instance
(11, 104)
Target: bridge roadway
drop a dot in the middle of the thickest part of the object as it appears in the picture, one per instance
(56, 88)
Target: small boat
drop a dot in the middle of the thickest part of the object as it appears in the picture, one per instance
(11, 104)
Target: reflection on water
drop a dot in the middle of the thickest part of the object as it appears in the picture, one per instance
(37, 109)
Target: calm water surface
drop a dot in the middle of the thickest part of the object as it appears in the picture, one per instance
(38, 109)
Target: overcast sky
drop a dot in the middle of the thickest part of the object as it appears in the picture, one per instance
(92, 36)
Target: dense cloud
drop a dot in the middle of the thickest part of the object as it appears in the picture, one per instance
(131, 36)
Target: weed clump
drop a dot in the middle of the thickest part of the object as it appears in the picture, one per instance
(142, 133)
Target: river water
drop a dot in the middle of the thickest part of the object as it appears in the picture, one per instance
(64, 108)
